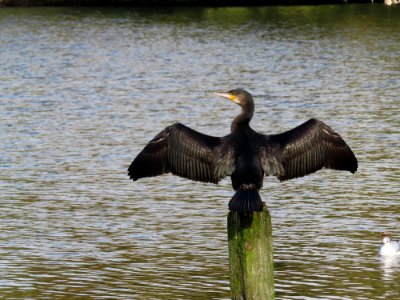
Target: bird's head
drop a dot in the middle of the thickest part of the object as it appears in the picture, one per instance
(386, 237)
(239, 96)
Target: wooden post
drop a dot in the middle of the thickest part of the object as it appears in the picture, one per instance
(250, 255)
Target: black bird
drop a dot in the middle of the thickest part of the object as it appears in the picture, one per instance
(244, 154)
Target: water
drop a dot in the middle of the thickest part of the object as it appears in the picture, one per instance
(83, 90)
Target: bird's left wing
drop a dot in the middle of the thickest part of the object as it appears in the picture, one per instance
(187, 153)
(305, 149)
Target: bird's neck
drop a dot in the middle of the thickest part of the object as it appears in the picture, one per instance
(243, 119)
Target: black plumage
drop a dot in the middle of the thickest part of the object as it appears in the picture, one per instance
(245, 155)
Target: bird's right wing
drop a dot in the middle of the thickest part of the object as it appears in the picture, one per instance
(187, 153)
(306, 149)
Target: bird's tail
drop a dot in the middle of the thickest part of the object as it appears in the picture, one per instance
(246, 199)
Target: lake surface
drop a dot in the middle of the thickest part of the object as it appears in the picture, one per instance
(83, 90)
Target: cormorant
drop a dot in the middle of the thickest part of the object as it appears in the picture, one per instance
(244, 154)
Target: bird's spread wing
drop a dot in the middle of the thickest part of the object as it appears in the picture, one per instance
(304, 150)
(186, 153)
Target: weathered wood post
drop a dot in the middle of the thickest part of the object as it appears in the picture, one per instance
(250, 255)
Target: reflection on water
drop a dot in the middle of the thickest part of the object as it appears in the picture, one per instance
(82, 91)
(390, 266)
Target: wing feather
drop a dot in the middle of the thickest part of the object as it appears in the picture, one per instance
(304, 150)
(187, 153)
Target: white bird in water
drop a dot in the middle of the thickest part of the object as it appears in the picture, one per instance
(389, 247)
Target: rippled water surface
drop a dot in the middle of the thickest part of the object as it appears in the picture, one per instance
(83, 90)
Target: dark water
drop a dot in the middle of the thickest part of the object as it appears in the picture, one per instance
(83, 90)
